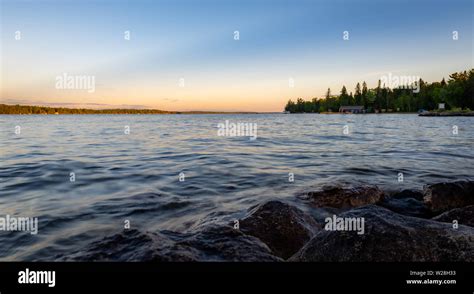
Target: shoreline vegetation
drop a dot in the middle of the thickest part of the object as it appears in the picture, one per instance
(456, 95)
(43, 110)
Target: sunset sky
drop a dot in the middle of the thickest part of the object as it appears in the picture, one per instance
(194, 41)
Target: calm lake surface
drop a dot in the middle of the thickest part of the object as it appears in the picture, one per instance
(136, 176)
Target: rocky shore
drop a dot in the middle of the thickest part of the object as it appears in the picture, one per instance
(429, 225)
(446, 113)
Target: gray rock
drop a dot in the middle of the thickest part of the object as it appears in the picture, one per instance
(464, 216)
(284, 228)
(391, 237)
(407, 206)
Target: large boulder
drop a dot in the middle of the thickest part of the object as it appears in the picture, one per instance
(345, 197)
(445, 196)
(407, 206)
(390, 237)
(215, 243)
(463, 216)
(284, 228)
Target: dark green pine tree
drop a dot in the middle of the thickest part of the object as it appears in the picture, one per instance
(358, 95)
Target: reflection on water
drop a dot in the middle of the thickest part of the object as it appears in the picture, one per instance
(136, 176)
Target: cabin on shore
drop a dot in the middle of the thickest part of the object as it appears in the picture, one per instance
(351, 109)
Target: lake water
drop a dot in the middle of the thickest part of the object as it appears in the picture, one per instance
(135, 176)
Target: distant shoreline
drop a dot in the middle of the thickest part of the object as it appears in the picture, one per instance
(446, 113)
(7, 109)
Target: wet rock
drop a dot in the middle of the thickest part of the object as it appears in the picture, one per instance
(320, 214)
(215, 243)
(404, 194)
(224, 243)
(389, 237)
(284, 228)
(345, 197)
(463, 216)
(407, 206)
(445, 196)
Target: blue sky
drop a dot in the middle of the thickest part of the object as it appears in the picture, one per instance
(193, 40)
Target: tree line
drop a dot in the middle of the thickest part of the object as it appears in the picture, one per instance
(26, 109)
(457, 92)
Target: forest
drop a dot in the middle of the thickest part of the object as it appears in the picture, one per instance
(456, 93)
(27, 109)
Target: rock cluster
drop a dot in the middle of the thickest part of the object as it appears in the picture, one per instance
(432, 225)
